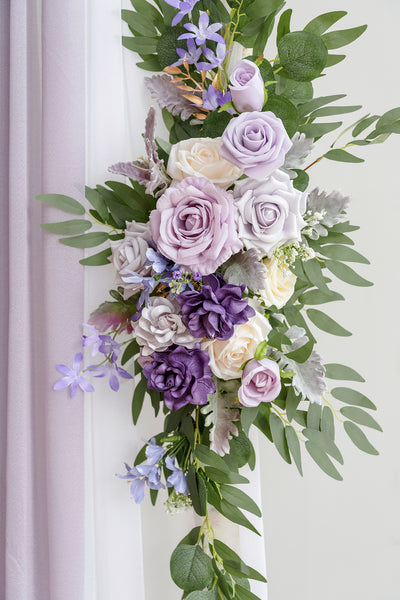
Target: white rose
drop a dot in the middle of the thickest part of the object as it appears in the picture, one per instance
(160, 325)
(200, 157)
(129, 254)
(226, 357)
(280, 284)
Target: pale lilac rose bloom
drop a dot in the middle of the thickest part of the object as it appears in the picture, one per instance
(261, 382)
(269, 212)
(247, 87)
(256, 142)
(194, 225)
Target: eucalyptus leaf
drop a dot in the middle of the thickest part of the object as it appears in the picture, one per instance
(142, 45)
(278, 436)
(325, 443)
(323, 461)
(97, 201)
(320, 24)
(235, 515)
(191, 568)
(239, 498)
(223, 477)
(343, 156)
(314, 416)
(313, 297)
(303, 55)
(292, 402)
(294, 446)
(334, 59)
(64, 203)
(208, 457)
(316, 130)
(340, 38)
(138, 399)
(130, 351)
(349, 396)
(96, 260)
(67, 227)
(343, 253)
(346, 274)
(359, 438)
(337, 371)
(86, 240)
(328, 422)
(326, 323)
(358, 415)
(308, 107)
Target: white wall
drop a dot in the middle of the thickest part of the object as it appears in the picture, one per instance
(324, 540)
(329, 540)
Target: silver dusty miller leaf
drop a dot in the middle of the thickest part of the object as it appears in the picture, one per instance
(246, 268)
(169, 96)
(309, 378)
(220, 412)
(301, 148)
(330, 206)
(151, 172)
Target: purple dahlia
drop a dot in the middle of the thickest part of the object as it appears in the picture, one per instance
(183, 375)
(213, 311)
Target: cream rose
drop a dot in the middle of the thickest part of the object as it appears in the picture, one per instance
(226, 357)
(200, 157)
(280, 284)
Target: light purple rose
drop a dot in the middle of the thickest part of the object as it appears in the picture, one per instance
(256, 142)
(194, 225)
(261, 382)
(247, 87)
(269, 212)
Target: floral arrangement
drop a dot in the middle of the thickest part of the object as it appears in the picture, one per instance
(221, 254)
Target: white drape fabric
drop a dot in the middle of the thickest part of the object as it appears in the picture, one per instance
(127, 547)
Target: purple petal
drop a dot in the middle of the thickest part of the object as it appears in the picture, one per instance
(61, 384)
(114, 383)
(74, 389)
(64, 370)
(78, 359)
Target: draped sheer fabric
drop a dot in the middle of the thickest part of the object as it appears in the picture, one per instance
(41, 300)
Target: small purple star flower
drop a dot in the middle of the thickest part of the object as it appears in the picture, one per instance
(213, 98)
(92, 340)
(149, 283)
(177, 479)
(154, 453)
(73, 377)
(113, 371)
(184, 7)
(109, 346)
(203, 32)
(215, 59)
(191, 55)
(140, 476)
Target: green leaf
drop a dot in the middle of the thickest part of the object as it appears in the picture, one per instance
(278, 436)
(323, 461)
(349, 396)
(148, 10)
(67, 227)
(328, 422)
(326, 323)
(198, 491)
(364, 124)
(294, 446)
(205, 595)
(313, 270)
(141, 45)
(337, 371)
(223, 477)
(284, 110)
(190, 538)
(265, 32)
(167, 45)
(313, 297)
(359, 438)
(151, 64)
(301, 181)
(325, 443)
(297, 92)
(328, 111)
(208, 457)
(247, 417)
(64, 203)
(87, 240)
(244, 594)
(215, 123)
(191, 568)
(334, 59)
(303, 353)
(284, 24)
(98, 259)
(320, 24)
(97, 202)
(343, 253)
(130, 351)
(292, 402)
(231, 559)
(138, 399)
(308, 107)
(316, 130)
(314, 416)
(340, 38)
(343, 156)
(303, 55)
(138, 205)
(140, 23)
(235, 515)
(239, 498)
(346, 274)
(358, 415)
(262, 8)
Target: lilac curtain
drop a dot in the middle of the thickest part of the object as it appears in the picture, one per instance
(41, 298)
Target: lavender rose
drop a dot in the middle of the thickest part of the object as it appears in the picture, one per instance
(269, 212)
(129, 254)
(182, 375)
(261, 382)
(247, 87)
(194, 225)
(256, 142)
(215, 309)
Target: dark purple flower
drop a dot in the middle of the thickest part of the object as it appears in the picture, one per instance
(182, 375)
(203, 32)
(177, 479)
(213, 311)
(73, 377)
(213, 98)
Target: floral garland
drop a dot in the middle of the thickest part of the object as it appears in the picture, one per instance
(219, 251)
